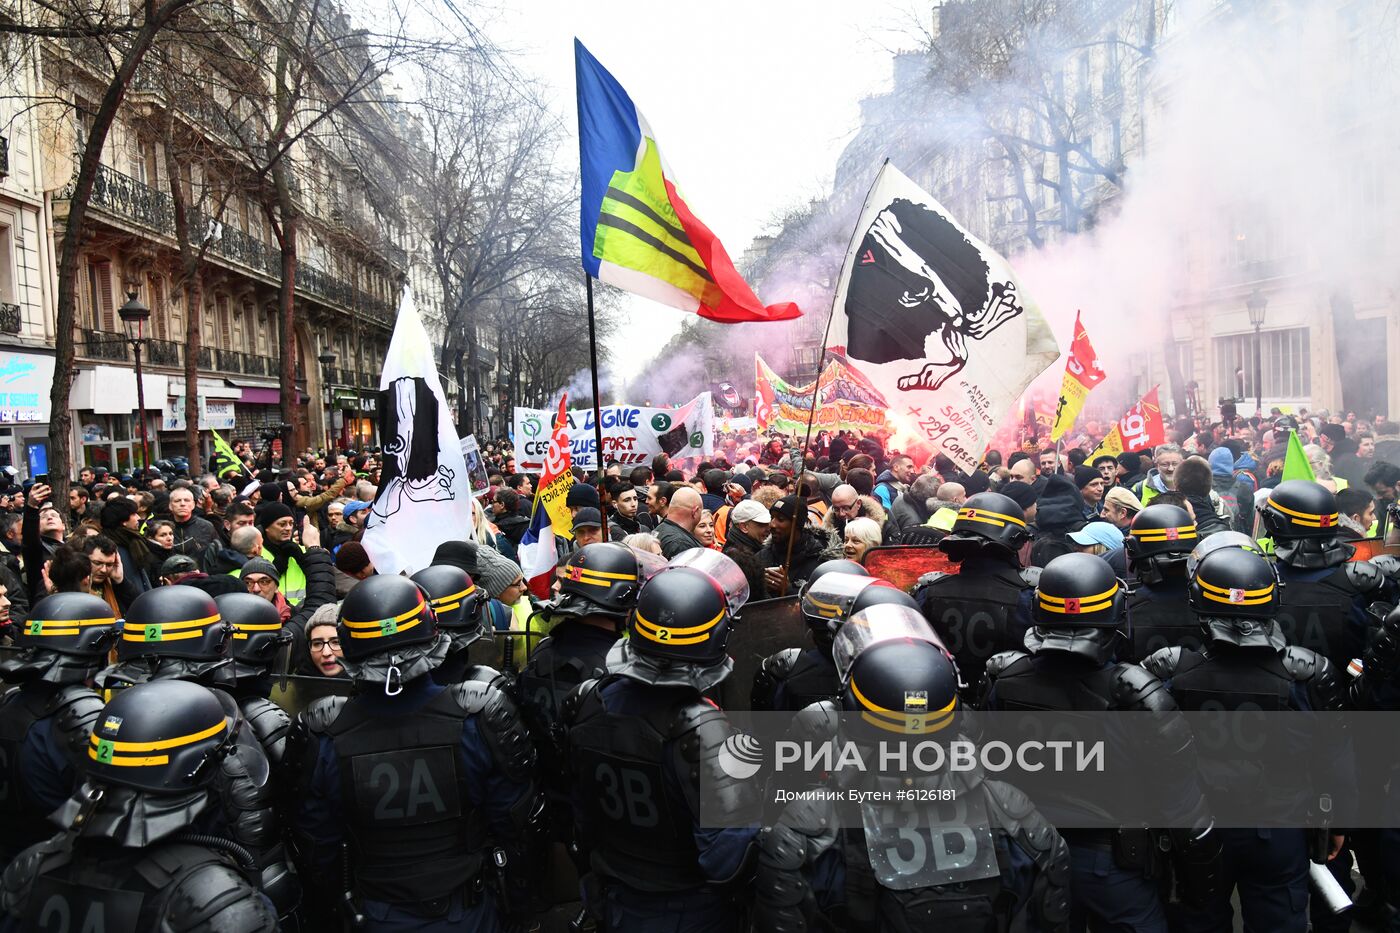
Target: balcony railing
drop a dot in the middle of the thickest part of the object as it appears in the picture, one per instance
(96, 345)
(163, 352)
(10, 318)
(139, 204)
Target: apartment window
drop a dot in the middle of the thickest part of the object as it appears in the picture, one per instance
(7, 277)
(160, 321)
(1285, 358)
(101, 311)
(1186, 360)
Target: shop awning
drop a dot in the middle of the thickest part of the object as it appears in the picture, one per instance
(109, 390)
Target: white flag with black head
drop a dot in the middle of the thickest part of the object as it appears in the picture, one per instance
(936, 320)
(424, 494)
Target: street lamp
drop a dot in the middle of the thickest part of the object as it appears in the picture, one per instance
(327, 360)
(134, 315)
(1257, 304)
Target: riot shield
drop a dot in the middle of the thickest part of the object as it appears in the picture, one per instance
(903, 565)
(764, 628)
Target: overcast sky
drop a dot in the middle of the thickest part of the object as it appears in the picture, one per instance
(751, 102)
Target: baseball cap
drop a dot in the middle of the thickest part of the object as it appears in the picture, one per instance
(789, 507)
(351, 508)
(588, 518)
(1103, 533)
(750, 511)
(1123, 497)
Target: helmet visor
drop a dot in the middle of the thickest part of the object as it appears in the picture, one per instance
(1216, 542)
(719, 568)
(832, 595)
(875, 625)
(648, 564)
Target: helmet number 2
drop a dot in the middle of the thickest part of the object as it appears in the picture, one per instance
(663, 634)
(627, 794)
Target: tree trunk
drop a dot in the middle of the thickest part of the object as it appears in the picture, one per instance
(473, 387)
(194, 306)
(459, 374)
(75, 234)
(1175, 385)
(286, 298)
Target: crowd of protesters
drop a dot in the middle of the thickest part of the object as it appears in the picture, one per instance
(293, 536)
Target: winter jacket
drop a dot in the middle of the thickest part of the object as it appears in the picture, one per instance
(907, 514)
(807, 552)
(35, 550)
(888, 490)
(619, 527)
(1059, 511)
(675, 539)
(1208, 520)
(193, 537)
(743, 550)
(218, 558)
(1146, 490)
(513, 525)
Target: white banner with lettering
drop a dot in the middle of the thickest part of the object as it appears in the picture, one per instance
(632, 435)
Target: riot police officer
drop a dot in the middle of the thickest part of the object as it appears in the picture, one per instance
(639, 739)
(1159, 541)
(794, 678)
(45, 721)
(457, 603)
(1325, 595)
(598, 589)
(178, 633)
(414, 793)
(1068, 665)
(1247, 664)
(138, 850)
(258, 639)
(984, 607)
(1012, 871)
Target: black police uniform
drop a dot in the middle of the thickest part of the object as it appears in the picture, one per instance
(1012, 871)
(411, 789)
(258, 640)
(1159, 541)
(1325, 597)
(156, 645)
(45, 721)
(137, 851)
(1069, 667)
(984, 608)
(639, 739)
(1247, 665)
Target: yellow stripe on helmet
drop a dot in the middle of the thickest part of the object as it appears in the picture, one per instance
(990, 518)
(693, 635)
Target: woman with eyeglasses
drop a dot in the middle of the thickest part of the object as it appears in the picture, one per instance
(323, 641)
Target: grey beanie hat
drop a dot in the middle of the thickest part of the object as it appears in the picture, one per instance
(495, 572)
(329, 614)
(258, 565)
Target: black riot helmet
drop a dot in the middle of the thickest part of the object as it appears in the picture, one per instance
(604, 579)
(257, 633)
(456, 601)
(1302, 519)
(837, 565)
(1235, 594)
(173, 633)
(987, 521)
(906, 685)
(65, 640)
(1077, 609)
(826, 603)
(163, 737)
(388, 632)
(678, 632)
(1298, 508)
(1159, 541)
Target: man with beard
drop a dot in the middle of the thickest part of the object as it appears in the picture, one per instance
(626, 517)
(788, 520)
(748, 527)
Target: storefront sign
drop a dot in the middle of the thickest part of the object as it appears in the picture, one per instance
(25, 381)
(218, 415)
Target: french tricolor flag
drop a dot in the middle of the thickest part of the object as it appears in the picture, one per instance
(550, 514)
